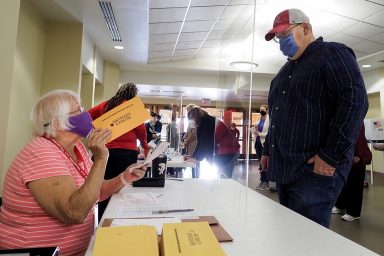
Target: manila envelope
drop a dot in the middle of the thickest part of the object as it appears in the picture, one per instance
(123, 118)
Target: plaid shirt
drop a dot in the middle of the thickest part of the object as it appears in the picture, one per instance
(317, 105)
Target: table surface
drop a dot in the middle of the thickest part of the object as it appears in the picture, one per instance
(258, 225)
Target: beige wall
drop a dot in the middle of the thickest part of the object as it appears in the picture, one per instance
(99, 90)
(111, 79)
(9, 18)
(374, 110)
(87, 90)
(36, 57)
(62, 57)
(26, 78)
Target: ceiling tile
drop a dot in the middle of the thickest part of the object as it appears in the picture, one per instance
(166, 15)
(159, 60)
(249, 2)
(164, 28)
(376, 19)
(208, 3)
(192, 26)
(204, 13)
(356, 9)
(159, 54)
(192, 36)
(363, 30)
(215, 35)
(379, 38)
(167, 3)
(189, 45)
(323, 32)
(165, 38)
(212, 43)
(232, 12)
(181, 58)
(331, 21)
(207, 52)
(368, 47)
(187, 52)
(345, 39)
(161, 47)
(359, 54)
(222, 24)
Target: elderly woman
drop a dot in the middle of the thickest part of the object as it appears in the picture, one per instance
(52, 186)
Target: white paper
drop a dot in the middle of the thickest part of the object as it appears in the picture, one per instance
(157, 222)
(156, 152)
(139, 199)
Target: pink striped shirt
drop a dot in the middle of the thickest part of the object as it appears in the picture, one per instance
(23, 223)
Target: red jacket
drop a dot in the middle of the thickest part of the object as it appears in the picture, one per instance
(361, 150)
(225, 142)
(127, 140)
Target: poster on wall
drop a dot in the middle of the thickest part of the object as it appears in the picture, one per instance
(374, 130)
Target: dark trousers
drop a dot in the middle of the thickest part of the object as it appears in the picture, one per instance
(312, 195)
(226, 163)
(259, 153)
(351, 197)
(119, 159)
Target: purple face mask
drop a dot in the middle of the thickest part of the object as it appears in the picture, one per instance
(81, 124)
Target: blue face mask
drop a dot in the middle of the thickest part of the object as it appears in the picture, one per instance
(288, 46)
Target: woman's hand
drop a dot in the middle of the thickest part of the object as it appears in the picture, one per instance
(96, 143)
(135, 172)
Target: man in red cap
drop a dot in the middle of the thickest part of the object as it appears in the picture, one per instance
(317, 105)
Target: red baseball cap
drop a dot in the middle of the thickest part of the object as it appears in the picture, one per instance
(285, 19)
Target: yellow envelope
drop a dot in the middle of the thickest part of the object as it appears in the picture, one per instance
(189, 239)
(122, 241)
(123, 118)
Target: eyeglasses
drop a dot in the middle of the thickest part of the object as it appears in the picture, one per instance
(284, 34)
(80, 109)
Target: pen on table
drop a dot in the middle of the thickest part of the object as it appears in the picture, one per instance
(170, 211)
(159, 195)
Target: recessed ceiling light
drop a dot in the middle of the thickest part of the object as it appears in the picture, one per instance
(366, 66)
(118, 47)
(243, 65)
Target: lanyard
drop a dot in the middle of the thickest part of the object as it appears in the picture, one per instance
(81, 171)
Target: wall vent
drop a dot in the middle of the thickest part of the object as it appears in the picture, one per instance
(110, 20)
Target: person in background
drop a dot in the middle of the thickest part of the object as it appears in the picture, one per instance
(173, 134)
(123, 151)
(153, 127)
(52, 185)
(317, 103)
(215, 141)
(351, 197)
(235, 131)
(259, 132)
(190, 142)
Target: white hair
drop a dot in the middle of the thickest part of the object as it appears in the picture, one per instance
(52, 106)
